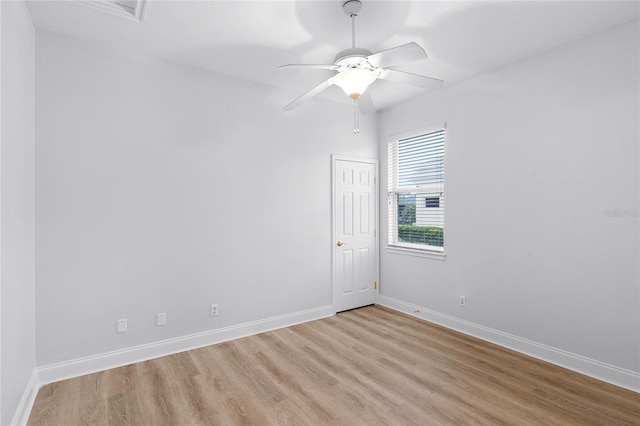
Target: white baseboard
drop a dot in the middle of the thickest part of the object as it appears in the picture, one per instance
(21, 415)
(91, 364)
(590, 367)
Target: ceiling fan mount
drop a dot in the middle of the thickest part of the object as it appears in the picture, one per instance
(352, 7)
(357, 68)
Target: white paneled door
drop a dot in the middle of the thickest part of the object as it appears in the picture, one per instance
(354, 242)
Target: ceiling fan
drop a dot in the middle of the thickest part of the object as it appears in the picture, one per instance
(357, 68)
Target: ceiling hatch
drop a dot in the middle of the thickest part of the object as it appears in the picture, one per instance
(131, 9)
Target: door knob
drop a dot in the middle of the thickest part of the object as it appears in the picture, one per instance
(339, 243)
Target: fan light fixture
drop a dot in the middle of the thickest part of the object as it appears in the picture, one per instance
(354, 81)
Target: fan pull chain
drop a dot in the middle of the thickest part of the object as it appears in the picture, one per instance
(356, 117)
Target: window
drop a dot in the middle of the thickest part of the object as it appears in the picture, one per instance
(432, 202)
(416, 192)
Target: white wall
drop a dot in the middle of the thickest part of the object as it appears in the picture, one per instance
(17, 207)
(163, 188)
(536, 154)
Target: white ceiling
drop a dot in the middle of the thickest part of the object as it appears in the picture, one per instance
(249, 39)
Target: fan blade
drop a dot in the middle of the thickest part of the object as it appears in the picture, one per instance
(310, 66)
(403, 54)
(310, 94)
(365, 103)
(412, 79)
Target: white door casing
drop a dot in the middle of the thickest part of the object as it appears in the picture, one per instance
(354, 242)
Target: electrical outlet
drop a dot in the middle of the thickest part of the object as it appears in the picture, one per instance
(214, 310)
(462, 301)
(161, 319)
(122, 326)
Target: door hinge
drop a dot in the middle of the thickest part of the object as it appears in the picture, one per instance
(375, 285)
(374, 180)
(374, 233)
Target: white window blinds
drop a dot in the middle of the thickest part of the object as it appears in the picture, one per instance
(416, 191)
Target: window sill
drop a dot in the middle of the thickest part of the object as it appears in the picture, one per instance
(429, 254)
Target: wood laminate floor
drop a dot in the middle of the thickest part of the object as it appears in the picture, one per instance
(363, 367)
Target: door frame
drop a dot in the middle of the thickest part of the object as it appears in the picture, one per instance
(376, 207)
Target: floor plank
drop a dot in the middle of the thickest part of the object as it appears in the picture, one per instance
(370, 366)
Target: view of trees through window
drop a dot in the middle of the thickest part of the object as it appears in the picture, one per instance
(408, 231)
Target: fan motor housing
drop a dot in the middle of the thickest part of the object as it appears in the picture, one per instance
(353, 56)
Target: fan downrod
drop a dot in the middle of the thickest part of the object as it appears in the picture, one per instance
(354, 54)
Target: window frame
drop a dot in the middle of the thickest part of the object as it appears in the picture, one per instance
(410, 249)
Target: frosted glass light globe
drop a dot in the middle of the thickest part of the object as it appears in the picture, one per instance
(354, 81)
